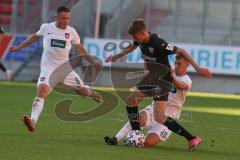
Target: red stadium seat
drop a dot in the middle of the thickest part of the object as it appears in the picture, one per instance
(5, 8)
(6, 1)
(5, 20)
(11, 1)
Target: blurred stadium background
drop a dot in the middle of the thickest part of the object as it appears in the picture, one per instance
(208, 29)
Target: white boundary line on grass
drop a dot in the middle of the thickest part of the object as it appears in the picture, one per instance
(193, 94)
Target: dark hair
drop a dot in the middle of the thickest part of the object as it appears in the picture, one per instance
(62, 9)
(136, 26)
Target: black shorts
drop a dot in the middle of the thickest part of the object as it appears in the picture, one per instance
(156, 86)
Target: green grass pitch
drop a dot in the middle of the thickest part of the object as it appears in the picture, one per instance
(215, 118)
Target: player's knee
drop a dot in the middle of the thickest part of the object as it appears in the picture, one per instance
(130, 101)
(143, 118)
(43, 92)
(149, 144)
(160, 119)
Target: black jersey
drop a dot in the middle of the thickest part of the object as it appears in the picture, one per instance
(156, 50)
(158, 82)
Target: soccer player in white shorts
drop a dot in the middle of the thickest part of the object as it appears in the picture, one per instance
(156, 131)
(58, 38)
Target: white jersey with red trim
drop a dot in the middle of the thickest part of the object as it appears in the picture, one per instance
(57, 44)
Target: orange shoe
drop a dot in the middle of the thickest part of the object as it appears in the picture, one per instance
(29, 123)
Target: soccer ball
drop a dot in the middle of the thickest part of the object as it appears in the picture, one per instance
(135, 138)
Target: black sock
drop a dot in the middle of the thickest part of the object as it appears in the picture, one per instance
(2, 67)
(178, 129)
(133, 116)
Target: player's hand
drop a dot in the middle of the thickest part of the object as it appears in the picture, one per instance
(204, 72)
(109, 59)
(185, 86)
(14, 48)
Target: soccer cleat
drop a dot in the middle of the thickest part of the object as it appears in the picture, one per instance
(29, 123)
(110, 141)
(194, 143)
(96, 96)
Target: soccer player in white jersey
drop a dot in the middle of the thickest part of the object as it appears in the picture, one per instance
(58, 38)
(156, 131)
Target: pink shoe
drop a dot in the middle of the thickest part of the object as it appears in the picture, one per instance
(194, 143)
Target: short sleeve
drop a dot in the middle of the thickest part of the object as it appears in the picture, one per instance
(42, 30)
(187, 80)
(168, 48)
(76, 38)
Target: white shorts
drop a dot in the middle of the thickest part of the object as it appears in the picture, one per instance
(53, 78)
(153, 127)
(162, 131)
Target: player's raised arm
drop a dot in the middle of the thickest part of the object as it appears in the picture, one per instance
(180, 85)
(177, 83)
(124, 52)
(201, 71)
(31, 39)
(83, 52)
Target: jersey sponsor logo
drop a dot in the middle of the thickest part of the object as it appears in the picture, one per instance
(151, 59)
(170, 47)
(49, 33)
(67, 35)
(58, 43)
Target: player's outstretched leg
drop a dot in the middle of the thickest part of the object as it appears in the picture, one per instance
(132, 109)
(87, 91)
(173, 125)
(37, 107)
(96, 96)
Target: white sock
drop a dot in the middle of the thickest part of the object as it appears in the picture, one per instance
(123, 131)
(37, 108)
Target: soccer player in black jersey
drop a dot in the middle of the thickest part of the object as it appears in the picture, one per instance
(158, 82)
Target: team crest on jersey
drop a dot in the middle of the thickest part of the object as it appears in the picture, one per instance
(67, 35)
(170, 47)
(151, 50)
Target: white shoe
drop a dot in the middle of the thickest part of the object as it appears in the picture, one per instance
(9, 75)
